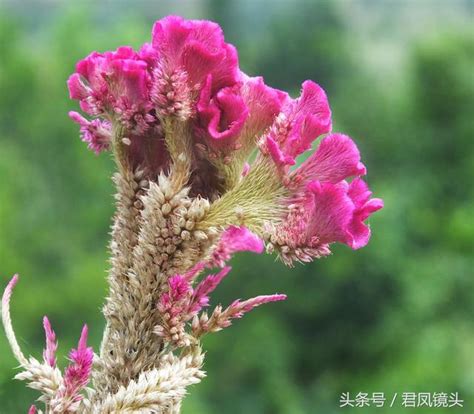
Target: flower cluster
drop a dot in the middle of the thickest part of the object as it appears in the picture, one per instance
(61, 393)
(181, 302)
(207, 161)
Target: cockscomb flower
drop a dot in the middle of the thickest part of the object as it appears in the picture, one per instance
(222, 116)
(325, 208)
(111, 82)
(189, 55)
(196, 48)
(229, 123)
(206, 167)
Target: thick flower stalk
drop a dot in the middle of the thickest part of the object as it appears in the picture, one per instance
(182, 122)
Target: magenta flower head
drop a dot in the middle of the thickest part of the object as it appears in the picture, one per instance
(196, 47)
(183, 99)
(111, 82)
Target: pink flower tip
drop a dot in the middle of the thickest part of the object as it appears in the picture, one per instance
(78, 372)
(32, 410)
(82, 345)
(13, 281)
(49, 353)
(8, 291)
(238, 308)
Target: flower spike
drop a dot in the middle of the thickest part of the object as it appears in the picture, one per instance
(49, 354)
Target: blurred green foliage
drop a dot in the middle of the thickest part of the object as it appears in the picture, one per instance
(394, 317)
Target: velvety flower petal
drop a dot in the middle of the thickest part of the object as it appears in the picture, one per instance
(223, 115)
(226, 72)
(111, 81)
(300, 122)
(198, 47)
(130, 79)
(336, 159)
(240, 239)
(148, 54)
(77, 88)
(311, 118)
(333, 212)
(358, 233)
(264, 104)
(234, 239)
(93, 68)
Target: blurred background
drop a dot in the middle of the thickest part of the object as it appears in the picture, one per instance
(397, 316)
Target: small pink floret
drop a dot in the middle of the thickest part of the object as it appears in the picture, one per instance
(78, 372)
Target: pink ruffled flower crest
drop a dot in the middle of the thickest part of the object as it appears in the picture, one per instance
(235, 117)
(340, 211)
(222, 116)
(114, 83)
(301, 121)
(102, 78)
(189, 55)
(336, 158)
(358, 232)
(196, 47)
(322, 214)
(264, 104)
